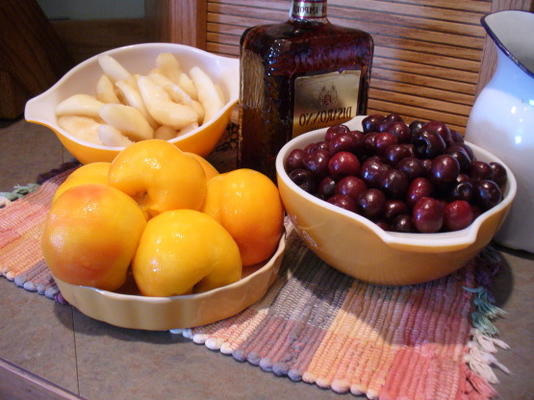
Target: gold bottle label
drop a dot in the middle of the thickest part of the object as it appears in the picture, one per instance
(325, 100)
(308, 9)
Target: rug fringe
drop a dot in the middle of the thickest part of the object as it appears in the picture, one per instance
(4, 201)
(17, 192)
(483, 343)
(477, 388)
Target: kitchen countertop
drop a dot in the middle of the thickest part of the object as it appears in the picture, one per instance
(100, 362)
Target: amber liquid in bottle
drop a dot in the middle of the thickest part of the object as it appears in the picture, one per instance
(298, 76)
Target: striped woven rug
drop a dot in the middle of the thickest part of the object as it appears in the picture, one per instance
(432, 341)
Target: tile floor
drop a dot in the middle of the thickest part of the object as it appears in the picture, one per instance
(26, 150)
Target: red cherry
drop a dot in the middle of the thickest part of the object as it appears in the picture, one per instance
(343, 201)
(395, 183)
(393, 208)
(326, 187)
(371, 203)
(418, 188)
(344, 142)
(334, 131)
(412, 167)
(498, 174)
(487, 194)
(373, 171)
(445, 169)
(311, 148)
(371, 122)
(427, 215)
(396, 152)
(400, 130)
(441, 129)
(317, 162)
(342, 164)
(480, 171)
(295, 160)
(457, 215)
(403, 223)
(428, 144)
(304, 179)
(383, 140)
(351, 186)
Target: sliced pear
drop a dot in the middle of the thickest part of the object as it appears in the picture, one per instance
(176, 93)
(188, 128)
(113, 69)
(110, 136)
(133, 98)
(79, 104)
(105, 91)
(128, 120)
(188, 85)
(208, 94)
(165, 133)
(170, 67)
(83, 128)
(160, 106)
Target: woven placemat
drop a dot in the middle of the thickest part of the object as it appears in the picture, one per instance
(429, 341)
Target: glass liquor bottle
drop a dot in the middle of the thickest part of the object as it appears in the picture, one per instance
(297, 76)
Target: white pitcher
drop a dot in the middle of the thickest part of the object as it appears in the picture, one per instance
(502, 118)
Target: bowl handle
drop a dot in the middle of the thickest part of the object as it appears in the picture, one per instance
(38, 109)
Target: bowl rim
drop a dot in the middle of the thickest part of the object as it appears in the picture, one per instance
(33, 102)
(459, 238)
(268, 264)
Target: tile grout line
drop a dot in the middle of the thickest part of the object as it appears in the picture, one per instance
(75, 352)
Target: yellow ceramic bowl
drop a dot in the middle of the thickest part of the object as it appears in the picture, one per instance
(140, 59)
(358, 247)
(187, 311)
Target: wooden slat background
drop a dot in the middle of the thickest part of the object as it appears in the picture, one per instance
(105, 34)
(427, 52)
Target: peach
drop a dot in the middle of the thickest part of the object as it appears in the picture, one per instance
(248, 205)
(185, 251)
(209, 169)
(96, 172)
(159, 176)
(91, 235)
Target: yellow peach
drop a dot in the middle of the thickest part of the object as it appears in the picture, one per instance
(159, 176)
(248, 205)
(96, 172)
(185, 251)
(209, 169)
(91, 235)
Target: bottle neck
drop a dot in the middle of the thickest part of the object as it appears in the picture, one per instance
(308, 11)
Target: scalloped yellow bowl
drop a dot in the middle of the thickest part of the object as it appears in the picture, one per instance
(140, 59)
(134, 311)
(359, 248)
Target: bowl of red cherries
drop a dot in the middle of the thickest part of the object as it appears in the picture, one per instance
(415, 187)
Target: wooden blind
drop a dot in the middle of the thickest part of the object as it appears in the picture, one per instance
(427, 52)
